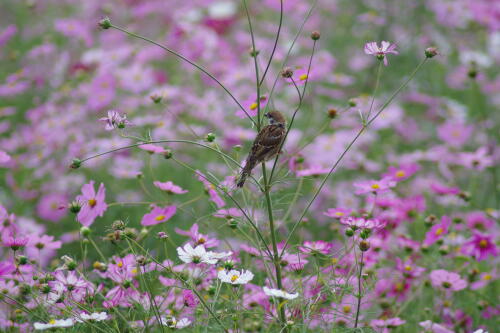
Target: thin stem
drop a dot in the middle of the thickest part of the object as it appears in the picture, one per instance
(189, 62)
(346, 150)
(276, 257)
(379, 70)
(359, 290)
(275, 44)
(256, 64)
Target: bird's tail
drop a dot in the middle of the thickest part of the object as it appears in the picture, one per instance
(245, 173)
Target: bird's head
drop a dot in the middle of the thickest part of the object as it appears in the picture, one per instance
(275, 118)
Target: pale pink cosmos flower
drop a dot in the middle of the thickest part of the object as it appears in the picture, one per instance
(93, 204)
(114, 120)
(158, 215)
(443, 279)
(374, 186)
(434, 327)
(337, 213)
(362, 223)
(385, 325)
(380, 52)
(169, 187)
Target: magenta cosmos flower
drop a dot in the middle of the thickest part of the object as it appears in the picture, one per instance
(447, 280)
(93, 204)
(169, 187)
(437, 231)
(158, 215)
(480, 246)
(380, 52)
(374, 186)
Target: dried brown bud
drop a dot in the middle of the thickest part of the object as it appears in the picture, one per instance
(315, 35)
(287, 73)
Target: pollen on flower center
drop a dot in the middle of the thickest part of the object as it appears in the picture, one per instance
(483, 243)
(253, 106)
(375, 186)
(303, 77)
(339, 214)
(439, 231)
(346, 308)
(202, 240)
(119, 264)
(234, 278)
(92, 202)
(408, 268)
(160, 217)
(52, 321)
(400, 174)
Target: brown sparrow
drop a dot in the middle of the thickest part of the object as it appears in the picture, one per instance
(266, 145)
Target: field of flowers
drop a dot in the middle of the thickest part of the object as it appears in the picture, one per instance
(250, 166)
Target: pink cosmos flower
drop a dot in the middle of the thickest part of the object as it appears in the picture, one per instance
(434, 327)
(15, 242)
(483, 280)
(480, 246)
(190, 300)
(153, 149)
(93, 204)
(158, 215)
(478, 160)
(169, 187)
(374, 186)
(362, 223)
(380, 52)
(441, 189)
(4, 157)
(447, 280)
(479, 221)
(316, 247)
(313, 170)
(408, 268)
(402, 172)
(300, 76)
(114, 120)
(455, 134)
(49, 207)
(437, 231)
(337, 213)
(385, 325)
(228, 213)
(6, 267)
(251, 107)
(7, 33)
(210, 188)
(197, 237)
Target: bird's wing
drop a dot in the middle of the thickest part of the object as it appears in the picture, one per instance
(267, 139)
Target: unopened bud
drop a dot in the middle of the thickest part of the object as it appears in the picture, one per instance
(210, 137)
(156, 98)
(352, 102)
(75, 207)
(168, 154)
(22, 260)
(85, 231)
(349, 232)
(105, 23)
(364, 245)
(332, 113)
(315, 35)
(465, 196)
(286, 72)
(75, 163)
(253, 53)
(431, 52)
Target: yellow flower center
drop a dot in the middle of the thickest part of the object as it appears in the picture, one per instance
(346, 308)
(92, 203)
(120, 264)
(408, 268)
(487, 277)
(134, 270)
(400, 174)
(375, 186)
(399, 286)
(253, 106)
(160, 217)
(334, 261)
(339, 214)
(234, 278)
(439, 231)
(303, 77)
(52, 321)
(483, 243)
(202, 240)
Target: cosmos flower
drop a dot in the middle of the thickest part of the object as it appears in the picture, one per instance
(384, 325)
(15, 242)
(93, 204)
(374, 186)
(434, 327)
(174, 323)
(95, 316)
(279, 293)
(53, 323)
(443, 279)
(480, 246)
(438, 231)
(235, 277)
(381, 52)
(197, 255)
(169, 187)
(114, 120)
(158, 215)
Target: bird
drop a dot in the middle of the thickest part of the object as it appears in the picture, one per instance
(266, 145)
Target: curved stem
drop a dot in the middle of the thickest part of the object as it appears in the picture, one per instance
(189, 62)
(359, 290)
(275, 44)
(347, 149)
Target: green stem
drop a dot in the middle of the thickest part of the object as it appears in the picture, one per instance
(359, 290)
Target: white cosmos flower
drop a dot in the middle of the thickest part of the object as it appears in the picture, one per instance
(174, 323)
(235, 277)
(195, 255)
(54, 324)
(96, 316)
(279, 293)
(200, 255)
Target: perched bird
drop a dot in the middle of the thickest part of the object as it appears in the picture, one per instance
(266, 145)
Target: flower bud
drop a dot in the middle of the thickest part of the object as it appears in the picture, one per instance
(21, 260)
(105, 23)
(75, 207)
(237, 147)
(253, 53)
(465, 196)
(72, 265)
(315, 35)
(85, 231)
(118, 225)
(365, 233)
(430, 220)
(228, 265)
(233, 224)
(352, 102)
(210, 137)
(286, 73)
(156, 98)
(349, 232)
(332, 113)
(75, 163)
(168, 154)
(364, 245)
(431, 52)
